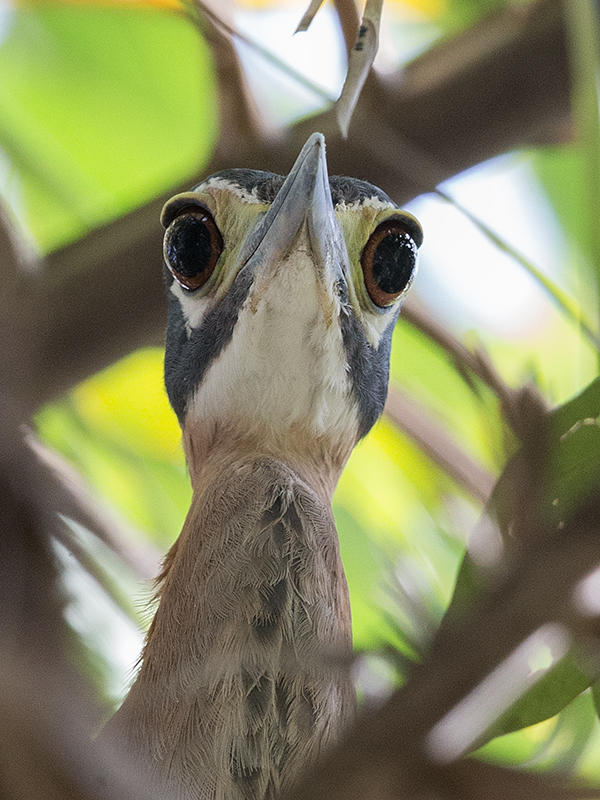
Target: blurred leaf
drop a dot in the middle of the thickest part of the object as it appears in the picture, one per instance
(470, 412)
(583, 27)
(550, 695)
(574, 449)
(573, 464)
(461, 14)
(596, 697)
(128, 403)
(560, 170)
(571, 735)
(385, 504)
(585, 405)
(103, 108)
(573, 471)
(363, 564)
(520, 747)
(557, 743)
(470, 581)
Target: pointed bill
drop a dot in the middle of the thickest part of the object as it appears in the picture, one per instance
(303, 200)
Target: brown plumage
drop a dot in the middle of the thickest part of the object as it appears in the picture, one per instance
(275, 367)
(243, 681)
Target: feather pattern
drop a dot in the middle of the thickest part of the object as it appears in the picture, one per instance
(244, 677)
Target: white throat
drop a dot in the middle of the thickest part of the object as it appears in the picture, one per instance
(285, 367)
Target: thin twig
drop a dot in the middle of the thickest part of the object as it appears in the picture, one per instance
(477, 362)
(561, 299)
(75, 500)
(264, 52)
(435, 442)
(90, 565)
(308, 16)
(360, 62)
(349, 20)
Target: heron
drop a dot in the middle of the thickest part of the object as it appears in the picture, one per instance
(283, 292)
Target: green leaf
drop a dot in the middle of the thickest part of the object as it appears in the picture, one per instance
(102, 109)
(469, 584)
(557, 743)
(546, 698)
(596, 697)
(585, 405)
(574, 469)
(574, 452)
(583, 27)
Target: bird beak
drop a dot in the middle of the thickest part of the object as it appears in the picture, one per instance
(304, 200)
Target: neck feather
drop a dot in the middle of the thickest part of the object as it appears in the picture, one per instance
(317, 461)
(244, 676)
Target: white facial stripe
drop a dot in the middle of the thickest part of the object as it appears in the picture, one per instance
(285, 366)
(231, 187)
(374, 326)
(194, 308)
(373, 202)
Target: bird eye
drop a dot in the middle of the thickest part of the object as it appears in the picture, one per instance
(388, 262)
(192, 247)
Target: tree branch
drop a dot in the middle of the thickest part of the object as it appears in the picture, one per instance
(360, 61)
(438, 445)
(349, 20)
(466, 360)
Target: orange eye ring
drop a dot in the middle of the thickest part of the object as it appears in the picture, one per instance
(192, 246)
(388, 262)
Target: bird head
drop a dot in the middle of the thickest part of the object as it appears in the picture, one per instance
(283, 293)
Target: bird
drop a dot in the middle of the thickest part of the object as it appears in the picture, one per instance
(283, 292)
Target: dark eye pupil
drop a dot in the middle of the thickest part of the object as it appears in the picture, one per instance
(189, 246)
(394, 261)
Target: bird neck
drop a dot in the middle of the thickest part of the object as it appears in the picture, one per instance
(244, 678)
(212, 448)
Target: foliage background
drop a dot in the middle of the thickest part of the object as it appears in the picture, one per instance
(105, 106)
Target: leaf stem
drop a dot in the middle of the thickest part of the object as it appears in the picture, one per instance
(583, 28)
(561, 299)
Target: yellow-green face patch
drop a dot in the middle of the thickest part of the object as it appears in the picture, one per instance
(358, 221)
(235, 213)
